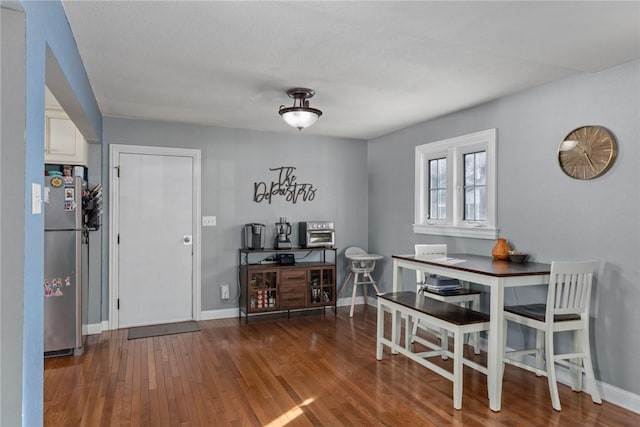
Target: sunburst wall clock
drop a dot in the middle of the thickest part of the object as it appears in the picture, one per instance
(587, 152)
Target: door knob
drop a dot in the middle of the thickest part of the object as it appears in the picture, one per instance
(186, 240)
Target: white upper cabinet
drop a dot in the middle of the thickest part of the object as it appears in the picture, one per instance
(63, 141)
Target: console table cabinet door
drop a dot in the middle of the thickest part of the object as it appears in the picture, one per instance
(262, 290)
(322, 286)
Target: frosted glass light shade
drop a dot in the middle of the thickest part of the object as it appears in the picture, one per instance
(300, 117)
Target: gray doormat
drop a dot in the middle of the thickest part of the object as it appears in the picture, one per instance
(164, 329)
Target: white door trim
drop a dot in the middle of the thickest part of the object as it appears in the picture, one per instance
(114, 152)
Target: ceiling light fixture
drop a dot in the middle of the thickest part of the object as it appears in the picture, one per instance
(300, 115)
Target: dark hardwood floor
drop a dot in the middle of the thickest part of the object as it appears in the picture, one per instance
(309, 369)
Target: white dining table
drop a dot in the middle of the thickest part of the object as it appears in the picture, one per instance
(482, 270)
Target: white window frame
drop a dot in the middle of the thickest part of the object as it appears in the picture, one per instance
(453, 150)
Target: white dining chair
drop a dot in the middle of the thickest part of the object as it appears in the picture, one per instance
(566, 310)
(465, 297)
(357, 268)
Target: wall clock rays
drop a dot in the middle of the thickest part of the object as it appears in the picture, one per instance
(587, 152)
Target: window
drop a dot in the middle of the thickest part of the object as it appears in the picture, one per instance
(455, 193)
(438, 188)
(475, 186)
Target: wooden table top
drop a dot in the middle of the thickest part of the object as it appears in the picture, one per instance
(486, 265)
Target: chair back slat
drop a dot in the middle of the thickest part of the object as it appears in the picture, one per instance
(570, 288)
(428, 251)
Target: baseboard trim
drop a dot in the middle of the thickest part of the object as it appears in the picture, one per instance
(620, 397)
(224, 313)
(346, 301)
(95, 328)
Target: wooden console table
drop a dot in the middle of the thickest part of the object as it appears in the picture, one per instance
(266, 286)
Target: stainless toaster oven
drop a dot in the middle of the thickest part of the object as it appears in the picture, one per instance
(313, 234)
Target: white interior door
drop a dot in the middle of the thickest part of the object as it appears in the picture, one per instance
(155, 248)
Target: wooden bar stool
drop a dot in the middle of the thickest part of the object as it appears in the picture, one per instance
(567, 309)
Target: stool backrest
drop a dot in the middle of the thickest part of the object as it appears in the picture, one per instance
(428, 251)
(570, 288)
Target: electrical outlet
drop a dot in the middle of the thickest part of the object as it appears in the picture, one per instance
(208, 221)
(224, 291)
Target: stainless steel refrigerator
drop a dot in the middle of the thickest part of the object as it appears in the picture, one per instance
(64, 256)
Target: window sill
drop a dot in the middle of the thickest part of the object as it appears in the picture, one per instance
(453, 231)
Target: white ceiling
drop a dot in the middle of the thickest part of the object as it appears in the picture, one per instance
(375, 66)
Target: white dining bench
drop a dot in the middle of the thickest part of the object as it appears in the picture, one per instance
(413, 307)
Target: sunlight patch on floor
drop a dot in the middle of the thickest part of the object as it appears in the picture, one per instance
(290, 415)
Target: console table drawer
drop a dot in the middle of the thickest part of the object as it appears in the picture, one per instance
(292, 300)
(293, 275)
(293, 291)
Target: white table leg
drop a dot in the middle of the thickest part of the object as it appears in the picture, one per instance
(458, 342)
(494, 351)
(396, 323)
(408, 327)
(397, 276)
(380, 330)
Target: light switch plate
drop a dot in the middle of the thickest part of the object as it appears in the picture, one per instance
(36, 198)
(208, 221)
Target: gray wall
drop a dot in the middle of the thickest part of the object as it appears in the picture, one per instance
(12, 211)
(232, 161)
(540, 210)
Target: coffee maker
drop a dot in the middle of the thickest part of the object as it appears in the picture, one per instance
(283, 231)
(254, 236)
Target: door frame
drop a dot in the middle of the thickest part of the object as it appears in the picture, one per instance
(114, 197)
